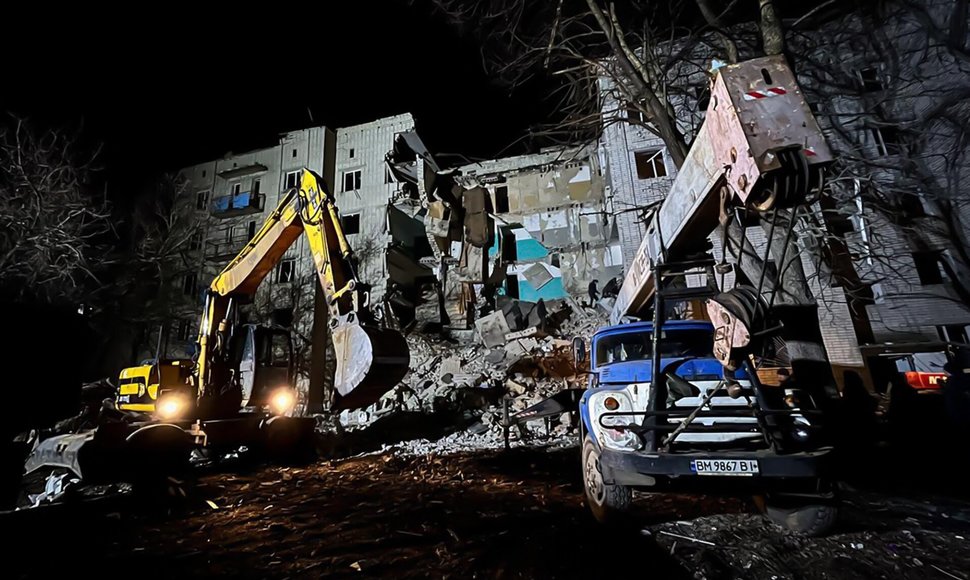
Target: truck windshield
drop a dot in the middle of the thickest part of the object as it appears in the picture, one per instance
(639, 346)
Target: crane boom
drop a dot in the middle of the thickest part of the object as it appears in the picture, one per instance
(759, 145)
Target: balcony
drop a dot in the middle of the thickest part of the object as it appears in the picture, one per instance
(221, 249)
(242, 203)
(250, 169)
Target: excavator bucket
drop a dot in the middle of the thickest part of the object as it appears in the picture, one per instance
(370, 362)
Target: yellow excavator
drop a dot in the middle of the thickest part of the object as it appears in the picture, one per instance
(239, 390)
(370, 360)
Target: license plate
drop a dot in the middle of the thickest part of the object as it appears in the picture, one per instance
(724, 466)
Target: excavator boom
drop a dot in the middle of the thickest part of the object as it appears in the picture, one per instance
(370, 360)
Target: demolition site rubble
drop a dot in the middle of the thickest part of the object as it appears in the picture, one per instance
(515, 374)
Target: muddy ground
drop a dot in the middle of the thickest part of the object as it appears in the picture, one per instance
(488, 515)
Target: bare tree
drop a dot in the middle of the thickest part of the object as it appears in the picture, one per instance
(154, 270)
(892, 88)
(53, 227)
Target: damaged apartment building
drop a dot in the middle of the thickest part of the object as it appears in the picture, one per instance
(499, 235)
(440, 246)
(232, 197)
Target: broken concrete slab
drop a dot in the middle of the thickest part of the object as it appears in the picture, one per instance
(495, 356)
(450, 365)
(478, 222)
(537, 275)
(515, 388)
(531, 331)
(492, 329)
(521, 347)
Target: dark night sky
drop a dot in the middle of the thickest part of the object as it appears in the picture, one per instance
(166, 87)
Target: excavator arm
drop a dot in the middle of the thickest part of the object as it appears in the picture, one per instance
(370, 360)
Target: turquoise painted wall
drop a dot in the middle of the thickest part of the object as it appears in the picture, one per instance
(551, 291)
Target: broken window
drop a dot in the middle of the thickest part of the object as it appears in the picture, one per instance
(202, 200)
(352, 180)
(870, 81)
(286, 271)
(502, 199)
(189, 282)
(928, 267)
(886, 139)
(235, 189)
(350, 223)
(183, 331)
(650, 164)
(634, 115)
(507, 244)
(512, 286)
(837, 222)
(912, 205)
(195, 242)
(283, 316)
(292, 179)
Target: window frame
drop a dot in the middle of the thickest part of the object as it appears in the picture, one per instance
(652, 157)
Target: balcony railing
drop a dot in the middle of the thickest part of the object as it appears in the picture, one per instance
(242, 203)
(218, 249)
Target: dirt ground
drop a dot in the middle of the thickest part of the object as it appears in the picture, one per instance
(489, 515)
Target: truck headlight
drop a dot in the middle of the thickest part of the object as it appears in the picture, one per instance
(171, 407)
(282, 401)
(606, 402)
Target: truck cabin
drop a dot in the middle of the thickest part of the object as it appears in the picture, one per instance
(624, 353)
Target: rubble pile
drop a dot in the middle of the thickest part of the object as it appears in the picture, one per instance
(515, 360)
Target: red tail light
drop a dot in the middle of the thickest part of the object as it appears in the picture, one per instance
(919, 380)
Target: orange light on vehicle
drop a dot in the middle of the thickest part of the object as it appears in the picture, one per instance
(611, 404)
(921, 380)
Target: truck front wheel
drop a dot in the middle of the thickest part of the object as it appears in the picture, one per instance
(609, 502)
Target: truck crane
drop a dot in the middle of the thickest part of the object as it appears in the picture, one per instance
(239, 391)
(678, 403)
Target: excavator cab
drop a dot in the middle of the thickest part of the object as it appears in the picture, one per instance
(265, 365)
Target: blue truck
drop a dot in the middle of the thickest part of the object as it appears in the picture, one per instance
(697, 427)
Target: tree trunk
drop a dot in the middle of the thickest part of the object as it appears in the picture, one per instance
(712, 19)
(660, 117)
(772, 35)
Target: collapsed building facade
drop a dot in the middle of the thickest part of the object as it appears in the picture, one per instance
(487, 235)
(440, 247)
(447, 246)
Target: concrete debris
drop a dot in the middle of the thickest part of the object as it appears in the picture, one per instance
(531, 367)
(495, 356)
(519, 348)
(492, 329)
(531, 331)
